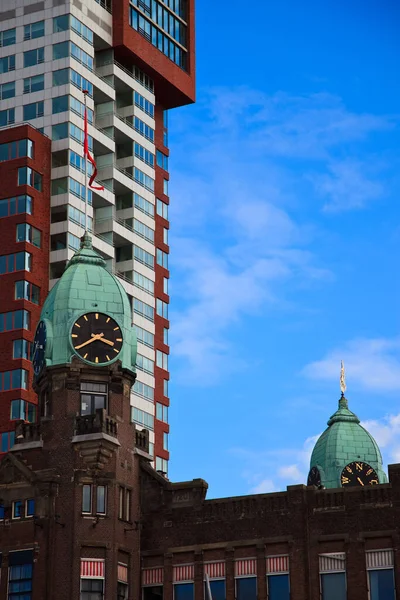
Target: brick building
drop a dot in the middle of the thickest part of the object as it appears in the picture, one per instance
(84, 515)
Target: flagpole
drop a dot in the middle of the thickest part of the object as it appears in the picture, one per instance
(85, 93)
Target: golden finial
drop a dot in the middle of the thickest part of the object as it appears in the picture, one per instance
(342, 378)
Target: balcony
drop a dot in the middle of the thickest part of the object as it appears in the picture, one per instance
(96, 438)
(100, 422)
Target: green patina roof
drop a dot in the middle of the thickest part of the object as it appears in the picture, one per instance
(343, 442)
(86, 286)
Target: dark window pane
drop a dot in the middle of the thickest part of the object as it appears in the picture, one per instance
(218, 589)
(381, 584)
(278, 587)
(246, 588)
(87, 498)
(153, 593)
(333, 586)
(184, 591)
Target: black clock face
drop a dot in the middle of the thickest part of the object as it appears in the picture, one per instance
(358, 473)
(96, 337)
(39, 347)
(314, 477)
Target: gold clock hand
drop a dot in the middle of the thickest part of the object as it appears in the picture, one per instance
(93, 339)
(106, 341)
(359, 481)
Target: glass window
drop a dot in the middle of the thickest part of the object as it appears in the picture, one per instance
(33, 57)
(7, 63)
(381, 584)
(162, 209)
(153, 592)
(60, 23)
(7, 117)
(33, 111)
(33, 84)
(17, 509)
(30, 508)
(19, 579)
(7, 90)
(60, 77)
(165, 388)
(165, 441)
(217, 589)
(333, 586)
(27, 233)
(184, 591)
(59, 132)
(34, 30)
(60, 50)
(92, 589)
(101, 499)
(17, 408)
(87, 498)
(7, 37)
(246, 588)
(22, 349)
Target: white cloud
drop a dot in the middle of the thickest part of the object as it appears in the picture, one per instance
(264, 487)
(373, 364)
(290, 472)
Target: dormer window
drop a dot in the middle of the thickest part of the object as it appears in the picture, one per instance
(93, 397)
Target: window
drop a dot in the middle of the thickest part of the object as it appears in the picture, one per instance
(144, 104)
(165, 441)
(165, 187)
(7, 440)
(33, 57)
(17, 509)
(27, 176)
(96, 493)
(142, 418)
(28, 233)
(162, 258)
(7, 64)
(165, 285)
(122, 591)
(16, 319)
(77, 216)
(162, 308)
(143, 179)
(246, 588)
(7, 117)
(141, 389)
(87, 498)
(81, 83)
(162, 209)
(22, 349)
(101, 499)
(124, 505)
(33, 84)
(143, 257)
(165, 336)
(20, 261)
(162, 160)
(165, 235)
(60, 23)
(60, 50)
(153, 592)
(93, 397)
(20, 409)
(19, 149)
(141, 229)
(217, 587)
(34, 30)
(59, 104)
(162, 412)
(61, 77)
(7, 90)
(333, 586)
(143, 282)
(143, 205)
(144, 337)
(92, 589)
(145, 364)
(16, 206)
(144, 155)
(165, 388)
(13, 380)
(33, 111)
(144, 129)
(381, 584)
(184, 591)
(81, 29)
(59, 132)
(165, 132)
(24, 290)
(29, 507)
(78, 108)
(7, 37)
(81, 56)
(20, 574)
(162, 465)
(162, 360)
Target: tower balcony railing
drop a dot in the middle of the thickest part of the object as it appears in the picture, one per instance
(100, 422)
(142, 439)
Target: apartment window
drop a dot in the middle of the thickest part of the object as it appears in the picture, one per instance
(7, 440)
(13, 380)
(162, 360)
(20, 409)
(144, 155)
(81, 29)
(81, 56)
(162, 308)
(59, 132)
(143, 257)
(143, 205)
(11, 150)
(20, 574)
(60, 23)
(165, 335)
(16, 319)
(246, 588)
(93, 397)
(29, 507)
(79, 190)
(165, 124)
(144, 337)
(7, 90)
(143, 230)
(162, 465)
(28, 233)
(332, 568)
(165, 441)
(17, 509)
(183, 591)
(143, 179)
(165, 388)
(33, 110)
(7, 64)
(141, 389)
(59, 104)
(154, 592)
(144, 129)
(144, 104)
(92, 589)
(61, 77)
(22, 349)
(94, 493)
(87, 498)
(81, 83)
(27, 176)
(162, 209)
(60, 50)
(78, 217)
(145, 364)
(165, 235)
(7, 37)
(24, 290)
(142, 418)
(124, 504)
(33, 57)
(143, 282)
(122, 586)
(162, 258)
(33, 84)
(165, 285)
(162, 160)
(162, 412)
(16, 206)
(165, 187)
(19, 261)
(78, 108)
(7, 117)
(380, 568)
(33, 31)
(101, 491)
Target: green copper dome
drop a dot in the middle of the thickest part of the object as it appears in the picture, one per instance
(86, 287)
(344, 441)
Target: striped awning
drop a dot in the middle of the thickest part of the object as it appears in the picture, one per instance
(183, 573)
(122, 573)
(379, 559)
(215, 570)
(245, 567)
(330, 563)
(92, 568)
(277, 564)
(153, 576)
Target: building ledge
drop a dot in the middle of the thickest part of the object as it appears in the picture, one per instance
(90, 437)
(27, 446)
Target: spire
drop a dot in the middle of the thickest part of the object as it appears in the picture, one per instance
(342, 378)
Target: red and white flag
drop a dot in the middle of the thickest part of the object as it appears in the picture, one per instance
(89, 157)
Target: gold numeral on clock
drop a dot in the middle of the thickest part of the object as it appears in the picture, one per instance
(345, 479)
(349, 470)
(369, 471)
(359, 466)
(373, 482)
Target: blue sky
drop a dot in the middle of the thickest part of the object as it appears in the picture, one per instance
(285, 234)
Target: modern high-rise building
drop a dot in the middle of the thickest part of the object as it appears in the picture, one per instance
(136, 60)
